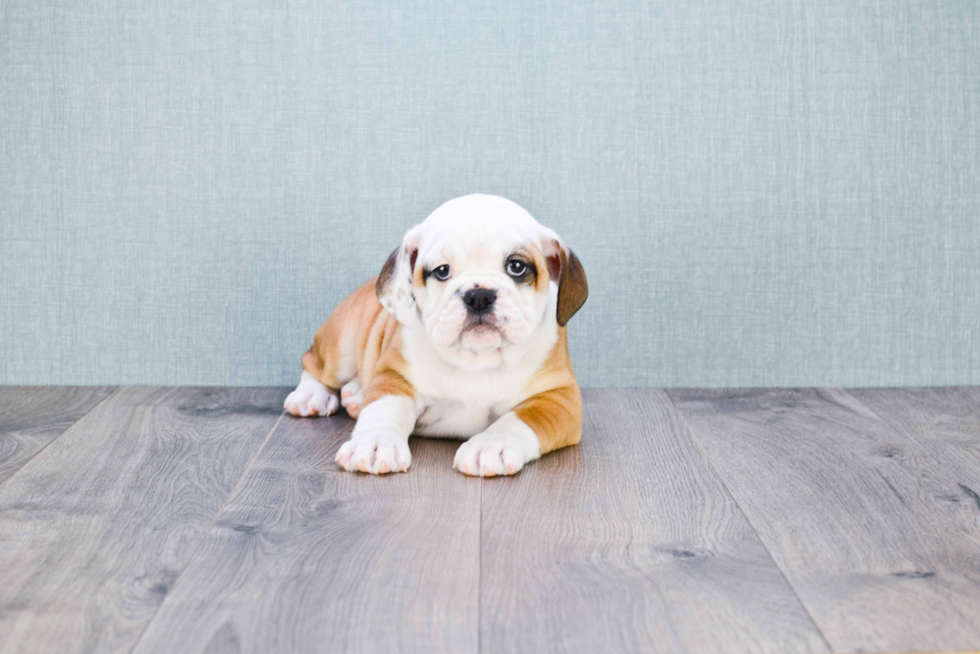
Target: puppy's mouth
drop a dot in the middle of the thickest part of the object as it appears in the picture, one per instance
(480, 334)
(483, 320)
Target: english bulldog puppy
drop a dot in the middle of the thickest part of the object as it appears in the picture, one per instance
(462, 335)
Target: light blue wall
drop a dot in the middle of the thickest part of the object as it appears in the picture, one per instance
(774, 192)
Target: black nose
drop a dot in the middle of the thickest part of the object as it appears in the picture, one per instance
(479, 300)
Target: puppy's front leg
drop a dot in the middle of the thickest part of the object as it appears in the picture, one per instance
(379, 443)
(540, 424)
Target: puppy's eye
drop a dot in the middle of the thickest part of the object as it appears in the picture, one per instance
(516, 268)
(442, 273)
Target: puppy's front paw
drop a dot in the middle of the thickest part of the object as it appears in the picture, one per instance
(488, 455)
(376, 453)
(311, 398)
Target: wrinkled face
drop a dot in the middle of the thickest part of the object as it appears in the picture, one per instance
(480, 275)
(480, 291)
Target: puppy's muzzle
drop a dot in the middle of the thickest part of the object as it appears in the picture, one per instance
(479, 300)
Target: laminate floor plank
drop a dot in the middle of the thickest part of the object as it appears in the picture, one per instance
(95, 529)
(945, 422)
(630, 543)
(306, 557)
(853, 511)
(33, 416)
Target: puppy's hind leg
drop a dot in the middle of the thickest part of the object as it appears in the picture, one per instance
(331, 362)
(352, 397)
(311, 398)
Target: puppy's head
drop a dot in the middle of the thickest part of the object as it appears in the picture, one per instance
(481, 275)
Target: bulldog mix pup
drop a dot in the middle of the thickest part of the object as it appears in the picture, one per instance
(461, 335)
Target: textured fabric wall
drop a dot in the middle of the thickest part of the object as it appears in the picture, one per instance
(763, 192)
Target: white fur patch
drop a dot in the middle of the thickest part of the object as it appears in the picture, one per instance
(502, 449)
(459, 401)
(311, 398)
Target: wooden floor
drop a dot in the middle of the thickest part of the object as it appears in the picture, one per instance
(204, 520)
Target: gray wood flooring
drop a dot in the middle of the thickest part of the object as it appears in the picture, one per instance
(30, 418)
(772, 520)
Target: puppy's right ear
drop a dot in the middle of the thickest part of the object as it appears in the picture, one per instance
(394, 286)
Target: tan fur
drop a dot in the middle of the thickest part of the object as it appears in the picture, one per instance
(553, 409)
(360, 339)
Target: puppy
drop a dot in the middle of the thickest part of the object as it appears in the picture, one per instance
(461, 335)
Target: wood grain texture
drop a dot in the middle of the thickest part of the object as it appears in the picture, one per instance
(629, 543)
(308, 558)
(95, 529)
(945, 422)
(33, 416)
(853, 512)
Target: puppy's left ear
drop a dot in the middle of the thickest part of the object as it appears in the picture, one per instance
(394, 285)
(565, 268)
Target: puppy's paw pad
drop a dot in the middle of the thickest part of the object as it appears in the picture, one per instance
(376, 454)
(311, 400)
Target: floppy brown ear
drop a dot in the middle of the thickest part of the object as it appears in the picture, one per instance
(573, 287)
